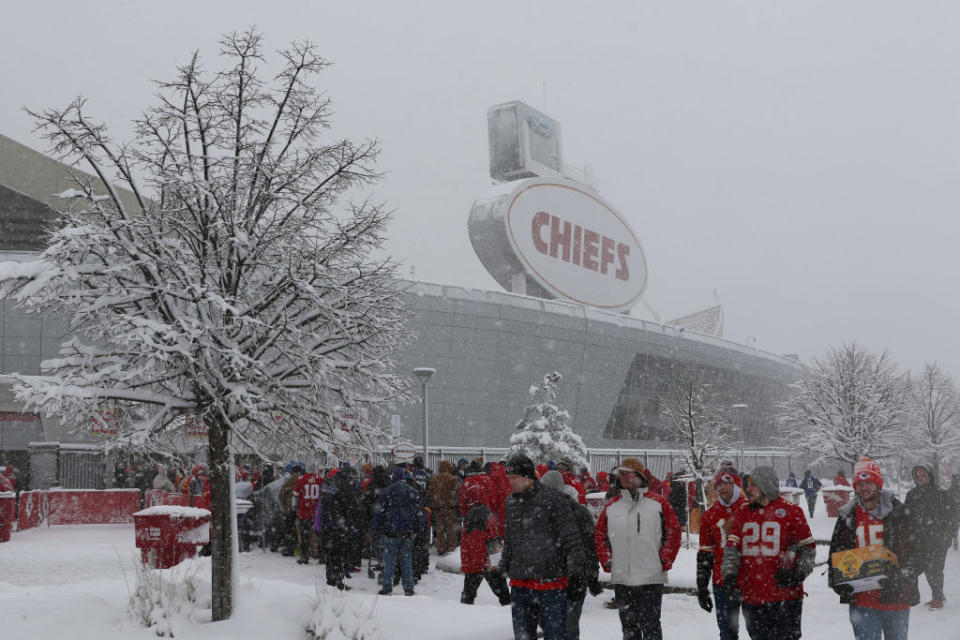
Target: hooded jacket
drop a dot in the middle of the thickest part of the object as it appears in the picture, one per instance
(933, 512)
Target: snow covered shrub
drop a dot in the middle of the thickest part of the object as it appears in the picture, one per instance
(544, 432)
(337, 616)
(164, 598)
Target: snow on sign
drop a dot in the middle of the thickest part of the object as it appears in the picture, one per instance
(404, 451)
(569, 241)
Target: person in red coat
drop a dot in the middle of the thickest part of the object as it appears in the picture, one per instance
(480, 553)
(714, 528)
(477, 489)
(565, 467)
(501, 490)
(603, 483)
(841, 479)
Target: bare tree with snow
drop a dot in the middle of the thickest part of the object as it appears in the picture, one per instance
(934, 416)
(232, 285)
(544, 433)
(700, 431)
(847, 405)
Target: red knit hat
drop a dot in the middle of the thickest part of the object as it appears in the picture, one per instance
(867, 470)
(726, 474)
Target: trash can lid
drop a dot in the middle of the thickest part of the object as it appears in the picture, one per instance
(174, 511)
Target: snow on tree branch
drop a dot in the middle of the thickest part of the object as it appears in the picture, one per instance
(848, 404)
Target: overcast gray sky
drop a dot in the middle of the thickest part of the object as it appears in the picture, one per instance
(801, 158)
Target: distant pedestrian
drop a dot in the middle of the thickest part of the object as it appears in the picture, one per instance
(791, 481)
(397, 518)
(444, 491)
(811, 486)
(934, 513)
(340, 513)
(955, 494)
(480, 548)
(161, 482)
(306, 495)
(840, 479)
(288, 531)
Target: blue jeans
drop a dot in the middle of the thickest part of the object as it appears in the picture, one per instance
(391, 547)
(727, 608)
(530, 607)
(874, 624)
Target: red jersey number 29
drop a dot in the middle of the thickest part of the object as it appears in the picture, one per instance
(761, 540)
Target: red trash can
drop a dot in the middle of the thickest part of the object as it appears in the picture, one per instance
(166, 535)
(8, 510)
(834, 498)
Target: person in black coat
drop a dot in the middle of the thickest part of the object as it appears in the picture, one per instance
(543, 554)
(341, 515)
(585, 527)
(935, 513)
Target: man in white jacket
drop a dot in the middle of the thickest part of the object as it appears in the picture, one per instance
(637, 539)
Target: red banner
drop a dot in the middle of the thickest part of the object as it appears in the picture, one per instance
(106, 422)
(19, 416)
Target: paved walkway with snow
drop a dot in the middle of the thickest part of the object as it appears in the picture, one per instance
(77, 580)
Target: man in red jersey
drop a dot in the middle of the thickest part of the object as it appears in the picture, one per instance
(876, 517)
(714, 528)
(306, 495)
(769, 553)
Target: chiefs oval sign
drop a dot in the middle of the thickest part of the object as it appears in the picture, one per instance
(569, 240)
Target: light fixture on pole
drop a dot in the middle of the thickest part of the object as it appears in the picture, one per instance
(424, 374)
(742, 410)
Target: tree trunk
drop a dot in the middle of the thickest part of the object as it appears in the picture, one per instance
(221, 525)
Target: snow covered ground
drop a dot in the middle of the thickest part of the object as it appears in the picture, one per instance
(77, 580)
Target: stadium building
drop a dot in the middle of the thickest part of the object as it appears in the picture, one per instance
(571, 268)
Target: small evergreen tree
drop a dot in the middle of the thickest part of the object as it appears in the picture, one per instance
(544, 432)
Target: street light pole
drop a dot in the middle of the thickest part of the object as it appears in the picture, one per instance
(424, 374)
(742, 407)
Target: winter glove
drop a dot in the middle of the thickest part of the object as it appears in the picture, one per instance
(703, 597)
(730, 581)
(789, 577)
(593, 585)
(842, 590)
(576, 589)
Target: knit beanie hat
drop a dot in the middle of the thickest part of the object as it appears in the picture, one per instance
(521, 465)
(726, 474)
(867, 470)
(552, 479)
